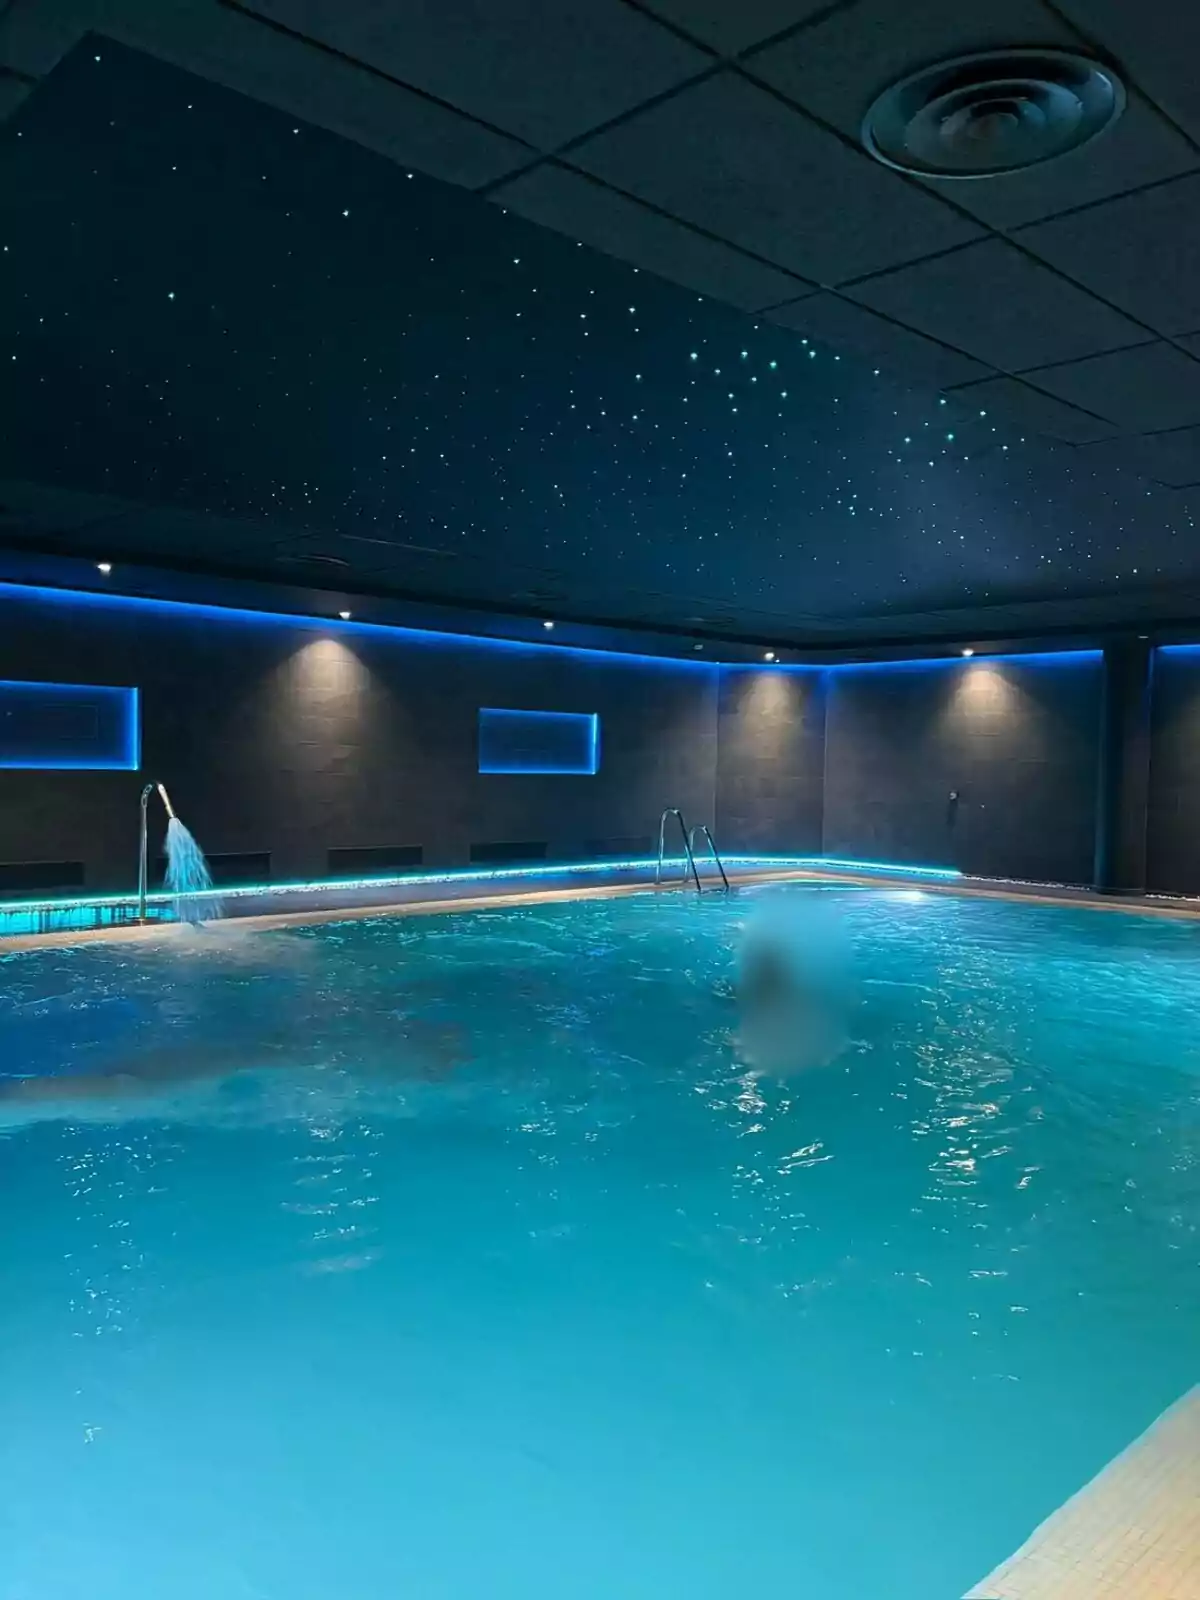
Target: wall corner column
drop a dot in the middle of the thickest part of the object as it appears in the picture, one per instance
(1123, 782)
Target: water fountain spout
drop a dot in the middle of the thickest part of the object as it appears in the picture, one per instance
(143, 853)
(187, 870)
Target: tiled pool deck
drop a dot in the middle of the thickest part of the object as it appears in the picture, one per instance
(1132, 1534)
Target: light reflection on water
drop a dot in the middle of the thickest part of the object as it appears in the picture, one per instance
(332, 1245)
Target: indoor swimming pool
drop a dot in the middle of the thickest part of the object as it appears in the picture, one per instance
(464, 1257)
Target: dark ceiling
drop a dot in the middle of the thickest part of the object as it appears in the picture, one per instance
(236, 342)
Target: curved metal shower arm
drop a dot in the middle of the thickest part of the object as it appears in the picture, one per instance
(143, 842)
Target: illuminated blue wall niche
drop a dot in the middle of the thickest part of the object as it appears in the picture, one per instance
(562, 742)
(60, 727)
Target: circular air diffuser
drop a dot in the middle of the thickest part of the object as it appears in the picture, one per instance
(982, 115)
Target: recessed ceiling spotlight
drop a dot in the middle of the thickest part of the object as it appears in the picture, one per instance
(548, 626)
(345, 615)
(104, 566)
(770, 656)
(978, 116)
(968, 652)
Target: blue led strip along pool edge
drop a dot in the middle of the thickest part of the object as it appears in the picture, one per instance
(468, 875)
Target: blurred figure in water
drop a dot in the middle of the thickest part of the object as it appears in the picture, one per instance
(792, 986)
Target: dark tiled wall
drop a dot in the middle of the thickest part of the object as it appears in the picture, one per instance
(298, 739)
(1173, 853)
(770, 777)
(1017, 742)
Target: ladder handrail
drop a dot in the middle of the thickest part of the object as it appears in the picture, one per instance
(674, 811)
(703, 828)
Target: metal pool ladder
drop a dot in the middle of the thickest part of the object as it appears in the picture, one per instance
(689, 840)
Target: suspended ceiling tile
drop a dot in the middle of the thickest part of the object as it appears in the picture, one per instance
(1174, 458)
(1169, 458)
(1142, 148)
(734, 160)
(732, 28)
(1142, 252)
(1153, 386)
(1157, 42)
(584, 209)
(232, 47)
(907, 355)
(543, 72)
(998, 305)
(837, 67)
(1011, 401)
(36, 34)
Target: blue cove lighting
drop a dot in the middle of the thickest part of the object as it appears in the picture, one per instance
(1046, 658)
(91, 599)
(69, 727)
(549, 743)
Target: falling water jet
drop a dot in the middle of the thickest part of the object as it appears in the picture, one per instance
(188, 878)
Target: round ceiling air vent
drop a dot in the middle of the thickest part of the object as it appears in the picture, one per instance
(983, 115)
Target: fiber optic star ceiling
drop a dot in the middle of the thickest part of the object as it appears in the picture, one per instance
(235, 342)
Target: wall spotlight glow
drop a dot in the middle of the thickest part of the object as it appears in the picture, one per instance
(769, 656)
(104, 566)
(549, 626)
(345, 615)
(968, 653)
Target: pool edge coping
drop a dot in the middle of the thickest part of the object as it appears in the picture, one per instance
(1060, 895)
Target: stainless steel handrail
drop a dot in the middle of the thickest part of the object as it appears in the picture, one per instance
(702, 828)
(674, 811)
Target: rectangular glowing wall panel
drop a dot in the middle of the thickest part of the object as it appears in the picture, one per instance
(548, 742)
(59, 727)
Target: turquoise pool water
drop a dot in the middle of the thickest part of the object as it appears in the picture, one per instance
(458, 1258)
